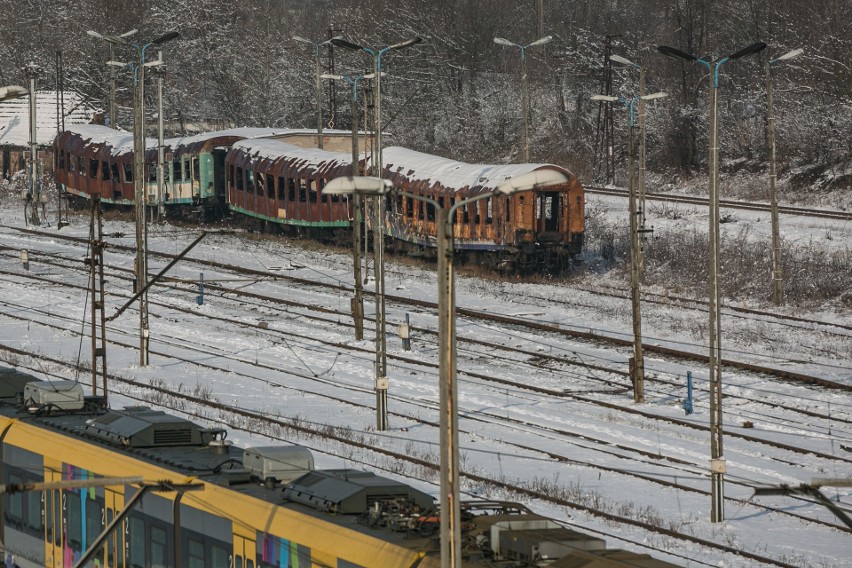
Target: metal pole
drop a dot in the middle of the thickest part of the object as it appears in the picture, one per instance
(642, 108)
(635, 267)
(319, 99)
(717, 463)
(450, 507)
(378, 260)
(139, 188)
(777, 275)
(32, 71)
(161, 157)
(525, 104)
(357, 216)
(111, 88)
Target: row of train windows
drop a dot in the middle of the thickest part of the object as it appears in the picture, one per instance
(475, 213)
(147, 542)
(182, 169)
(289, 189)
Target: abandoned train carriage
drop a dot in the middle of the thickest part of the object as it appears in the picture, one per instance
(281, 183)
(537, 230)
(96, 160)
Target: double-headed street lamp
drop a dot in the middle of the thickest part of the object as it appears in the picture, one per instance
(139, 178)
(777, 274)
(524, 86)
(124, 36)
(378, 225)
(637, 370)
(450, 510)
(641, 176)
(317, 47)
(714, 331)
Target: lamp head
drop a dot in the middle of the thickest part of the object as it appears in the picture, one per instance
(303, 40)
(406, 43)
(504, 41)
(676, 53)
(606, 98)
(12, 92)
(622, 60)
(746, 51)
(531, 180)
(165, 37)
(541, 41)
(789, 55)
(340, 42)
(652, 96)
(362, 185)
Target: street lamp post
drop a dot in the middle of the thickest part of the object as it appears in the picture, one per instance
(637, 370)
(357, 209)
(112, 123)
(317, 47)
(524, 86)
(450, 510)
(777, 274)
(139, 178)
(714, 328)
(160, 71)
(32, 72)
(378, 225)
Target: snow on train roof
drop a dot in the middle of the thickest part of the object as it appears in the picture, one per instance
(273, 149)
(418, 167)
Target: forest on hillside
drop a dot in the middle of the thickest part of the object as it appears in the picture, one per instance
(458, 93)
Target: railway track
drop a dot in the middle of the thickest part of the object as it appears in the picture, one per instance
(278, 428)
(257, 304)
(558, 329)
(727, 203)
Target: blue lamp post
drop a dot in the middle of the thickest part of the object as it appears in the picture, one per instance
(714, 330)
(524, 86)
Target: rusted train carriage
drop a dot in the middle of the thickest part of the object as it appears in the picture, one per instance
(530, 231)
(96, 160)
(280, 183)
(93, 160)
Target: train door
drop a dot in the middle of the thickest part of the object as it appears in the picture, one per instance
(219, 186)
(113, 504)
(245, 548)
(547, 211)
(51, 510)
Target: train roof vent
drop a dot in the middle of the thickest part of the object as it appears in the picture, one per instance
(349, 491)
(62, 395)
(141, 427)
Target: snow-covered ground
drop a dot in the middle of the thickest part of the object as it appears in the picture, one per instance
(293, 374)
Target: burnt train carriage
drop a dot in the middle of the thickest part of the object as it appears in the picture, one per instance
(280, 183)
(204, 503)
(92, 160)
(531, 231)
(96, 160)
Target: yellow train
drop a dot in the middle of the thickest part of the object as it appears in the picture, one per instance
(139, 488)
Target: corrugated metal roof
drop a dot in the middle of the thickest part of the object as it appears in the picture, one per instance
(15, 117)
